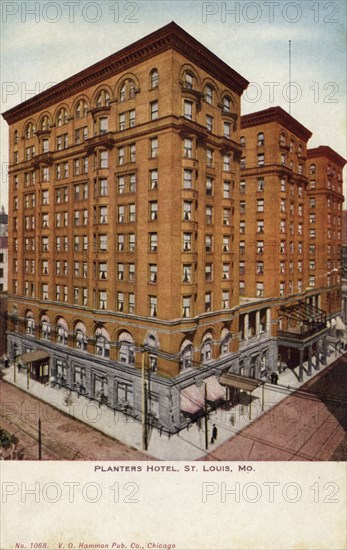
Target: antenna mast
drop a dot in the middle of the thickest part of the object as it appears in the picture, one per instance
(290, 76)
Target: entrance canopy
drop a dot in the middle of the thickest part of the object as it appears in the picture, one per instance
(33, 357)
(240, 382)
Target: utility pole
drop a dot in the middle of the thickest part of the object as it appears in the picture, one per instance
(206, 418)
(39, 440)
(144, 402)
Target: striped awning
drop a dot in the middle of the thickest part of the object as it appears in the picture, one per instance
(192, 399)
(215, 391)
(340, 325)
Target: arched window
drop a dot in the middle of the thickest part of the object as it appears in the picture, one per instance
(312, 169)
(126, 352)
(188, 80)
(30, 323)
(102, 342)
(81, 109)
(225, 342)
(226, 104)
(62, 117)
(282, 139)
(243, 141)
(186, 355)
(44, 124)
(80, 336)
(45, 328)
(154, 78)
(206, 350)
(15, 137)
(127, 90)
(208, 93)
(103, 99)
(62, 331)
(261, 139)
(292, 146)
(29, 130)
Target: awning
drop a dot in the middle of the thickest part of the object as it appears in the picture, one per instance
(340, 325)
(33, 357)
(214, 390)
(241, 382)
(192, 399)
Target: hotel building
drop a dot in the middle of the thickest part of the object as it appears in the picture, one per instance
(125, 241)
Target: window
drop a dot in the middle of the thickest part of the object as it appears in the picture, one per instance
(282, 289)
(152, 306)
(243, 141)
(103, 99)
(153, 242)
(225, 299)
(209, 214)
(154, 79)
(188, 148)
(226, 216)
(242, 227)
(103, 270)
(226, 163)
(132, 213)
(243, 163)
(260, 289)
(62, 117)
(186, 306)
(208, 243)
(241, 268)
(225, 243)
(154, 148)
(120, 155)
(209, 186)
(154, 110)
(187, 179)
(260, 205)
(188, 81)
(260, 226)
(44, 291)
(188, 109)
(120, 242)
(187, 273)
(102, 299)
(209, 123)
(153, 271)
(132, 242)
(242, 187)
(120, 301)
(226, 190)
(187, 242)
(242, 207)
(209, 157)
(261, 139)
(312, 202)
(226, 104)
(208, 301)
(226, 272)
(103, 243)
(260, 268)
(260, 247)
(209, 94)
(187, 210)
(261, 159)
(283, 159)
(153, 210)
(227, 129)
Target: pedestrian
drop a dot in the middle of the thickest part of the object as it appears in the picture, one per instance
(275, 378)
(272, 378)
(214, 432)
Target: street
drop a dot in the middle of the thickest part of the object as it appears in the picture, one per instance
(309, 424)
(63, 437)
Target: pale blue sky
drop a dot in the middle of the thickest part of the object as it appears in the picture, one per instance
(63, 37)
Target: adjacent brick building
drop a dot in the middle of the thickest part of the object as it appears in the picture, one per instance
(125, 236)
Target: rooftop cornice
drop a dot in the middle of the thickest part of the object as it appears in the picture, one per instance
(276, 114)
(169, 36)
(328, 153)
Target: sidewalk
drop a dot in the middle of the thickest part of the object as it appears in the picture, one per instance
(189, 444)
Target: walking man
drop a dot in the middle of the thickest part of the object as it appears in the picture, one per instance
(214, 433)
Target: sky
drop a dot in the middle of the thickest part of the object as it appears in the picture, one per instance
(45, 42)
